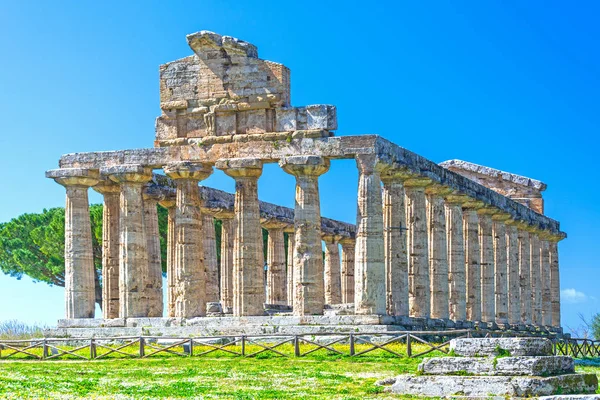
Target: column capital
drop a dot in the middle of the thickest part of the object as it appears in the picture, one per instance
(272, 224)
(546, 235)
(486, 210)
(106, 186)
(168, 203)
(501, 217)
(473, 205)
(394, 175)
(188, 170)
(224, 214)
(417, 182)
(457, 199)
(523, 226)
(305, 165)
(369, 164)
(436, 189)
(74, 176)
(240, 167)
(331, 239)
(130, 173)
(347, 241)
(512, 222)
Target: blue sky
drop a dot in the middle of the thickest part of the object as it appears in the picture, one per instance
(508, 84)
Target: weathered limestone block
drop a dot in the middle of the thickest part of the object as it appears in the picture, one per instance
(546, 280)
(555, 281)
(438, 251)
(154, 283)
(333, 288)
(190, 287)
(533, 366)
(227, 277)
(110, 248)
(79, 259)
(501, 267)
(309, 297)
(514, 284)
(134, 269)
(289, 258)
(419, 300)
(276, 278)
(486, 243)
(248, 258)
(525, 274)
(472, 261)
(347, 271)
(456, 257)
(370, 276)
(476, 347)
(211, 265)
(536, 278)
(171, 244)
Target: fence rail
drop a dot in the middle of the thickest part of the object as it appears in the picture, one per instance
(389, 344)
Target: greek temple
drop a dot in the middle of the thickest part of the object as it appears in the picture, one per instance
(445, 245)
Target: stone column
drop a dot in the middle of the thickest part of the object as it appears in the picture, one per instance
(438, 251)
(134, 266)
(80, 296)
(396, 258)
(525, 273)
(419, 286)
(248, 257)
(514, 281)
(211, 266)
(546, 279)
(276, 282)
(347, 271)
(154, 282)
(289, 258)
(486, 244)
(190, 287)
(501, 267)
(169, 204)
(227, 235)
(536, 281)
(456, 257)
(309, 294)
(555, 280)
(110, 248)
(333, 284)
(472, 260)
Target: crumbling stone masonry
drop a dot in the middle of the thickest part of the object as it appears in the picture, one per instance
(448, 243)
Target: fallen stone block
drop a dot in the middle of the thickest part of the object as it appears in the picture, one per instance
(474, 347)
(533, 366)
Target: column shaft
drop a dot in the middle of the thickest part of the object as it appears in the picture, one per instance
(154, 282)
(276, 282)
(347, 271)
(514, 284)
(486, 243)
(501, 269)
(546, 283)
(227, 234)
(525, 275)
(438, 256)
(456, 260)
(110, 249)
(211, 264)
(472, 264)
(333, 289)
(290, 269)
(536, 281)
(555, 283)
(171, 239)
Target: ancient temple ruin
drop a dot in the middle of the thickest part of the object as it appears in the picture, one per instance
(448, 245)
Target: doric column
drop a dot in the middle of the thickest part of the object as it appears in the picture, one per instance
(154, 282)
(472, 260)
(110, 248)
(276, 282)
(333, 288)
(501, 267)
(289, 259)
(369, 283)
(211, 265)
(438, 251)
(309, 294)
(347, 272)
(545, 276)
(486, 244)
(555, 279)
(514, 281)
(248, 257)
(525, 272)
(536, 279)
(169, 204)
(80, 297)
(133, 257)
(190, 287)
(227, 235)
(394, 228)
(456, 257)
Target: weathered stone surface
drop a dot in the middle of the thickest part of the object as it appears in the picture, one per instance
(456, 258)
(554, 283)
(289, 259)
(171, 244)
(472, 263)
(153, 288)
(513, 281)
(438, 252)
(347, 271)
(525, 275)
(332, 268)
(276, 277)
(535, 366)
(227, 235)
(211, 265)
(536, 278)
(486, 243)
(501, 268)
(472, 347)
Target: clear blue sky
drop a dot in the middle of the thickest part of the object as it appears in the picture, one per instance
(508, 84)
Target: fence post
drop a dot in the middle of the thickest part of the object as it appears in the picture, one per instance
(352, 344)
(44, 349)
(408, 345)
(243, 346)
(296, 346)
(92, 349)
(142, 352)
(191, 347)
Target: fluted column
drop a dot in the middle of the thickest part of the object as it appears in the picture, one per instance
(396, 258)
(110, 248)
(211, 265)
(289, 259)
(514, 282)
(80, 297)
(227, 234)
(501, 267)
(347, 271)
(276, 282)
(555, 280)
(134, 268)
(438, 251)
(190, 287)
(546, 279)
(169, 204)
(536, 279)
(486, 244)
(472, 260)
(333, 288)
(309, 297)
(248, 257)
(154, 281)
(456, 258)
(525, 273)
